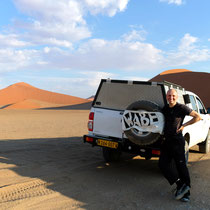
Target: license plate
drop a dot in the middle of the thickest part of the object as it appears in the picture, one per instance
(106, 143)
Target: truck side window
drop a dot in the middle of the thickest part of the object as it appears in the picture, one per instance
(194, 106)
(200, 106)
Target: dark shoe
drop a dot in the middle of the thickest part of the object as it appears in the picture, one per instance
(181, 191)
(185, 198)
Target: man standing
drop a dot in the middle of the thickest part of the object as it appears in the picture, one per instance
(173, 147)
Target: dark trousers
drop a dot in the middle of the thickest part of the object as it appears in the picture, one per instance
(172, 161)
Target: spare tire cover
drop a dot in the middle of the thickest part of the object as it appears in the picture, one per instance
(142, 138)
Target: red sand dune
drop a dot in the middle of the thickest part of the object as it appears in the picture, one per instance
(91, 98)
(197, 82)
(24, 96)
(174, 71)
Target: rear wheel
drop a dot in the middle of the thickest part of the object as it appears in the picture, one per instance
(186, 151)
(111, 155)
(204, 147)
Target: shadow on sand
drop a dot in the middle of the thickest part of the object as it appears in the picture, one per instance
(84, 106)
(77, 171)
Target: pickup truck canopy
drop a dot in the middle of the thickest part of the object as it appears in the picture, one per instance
(119, 94)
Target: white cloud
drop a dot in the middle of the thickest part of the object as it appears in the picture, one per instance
(135, 35)
(52, 22)
(51, 41)
(93, 78)
(188, 52)
(14, 59)
(62, 22)
(187, 42)
(52, 25)
(168, 41)
(108, 7)
(136, 78)
(177, 2)
(95, 57)
(11, 59)
(63, 11)
(99, 54)
(11, 41)
(102, 55)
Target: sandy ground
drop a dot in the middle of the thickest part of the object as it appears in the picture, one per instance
(44, 164)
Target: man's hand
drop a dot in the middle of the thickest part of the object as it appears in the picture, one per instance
(180, 129)
(196, 118)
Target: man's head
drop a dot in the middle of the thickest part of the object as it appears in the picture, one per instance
(172, 97)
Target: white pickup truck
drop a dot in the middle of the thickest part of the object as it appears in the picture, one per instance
(126, 117)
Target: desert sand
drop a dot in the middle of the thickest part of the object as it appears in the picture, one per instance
(44, 164)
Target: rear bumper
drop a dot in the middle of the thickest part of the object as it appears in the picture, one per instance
(124, 145)
(94, 141)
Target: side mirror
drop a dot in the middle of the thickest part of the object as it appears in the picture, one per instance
(186, 99)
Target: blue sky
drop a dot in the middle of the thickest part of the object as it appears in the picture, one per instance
(67, 46)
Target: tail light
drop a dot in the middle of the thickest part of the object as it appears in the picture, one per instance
(90, 122)
(89, 139)
(156, 152)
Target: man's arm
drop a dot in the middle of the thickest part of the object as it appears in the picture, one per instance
(195, 118)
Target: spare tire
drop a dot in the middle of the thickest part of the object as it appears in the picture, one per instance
(142, 138)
